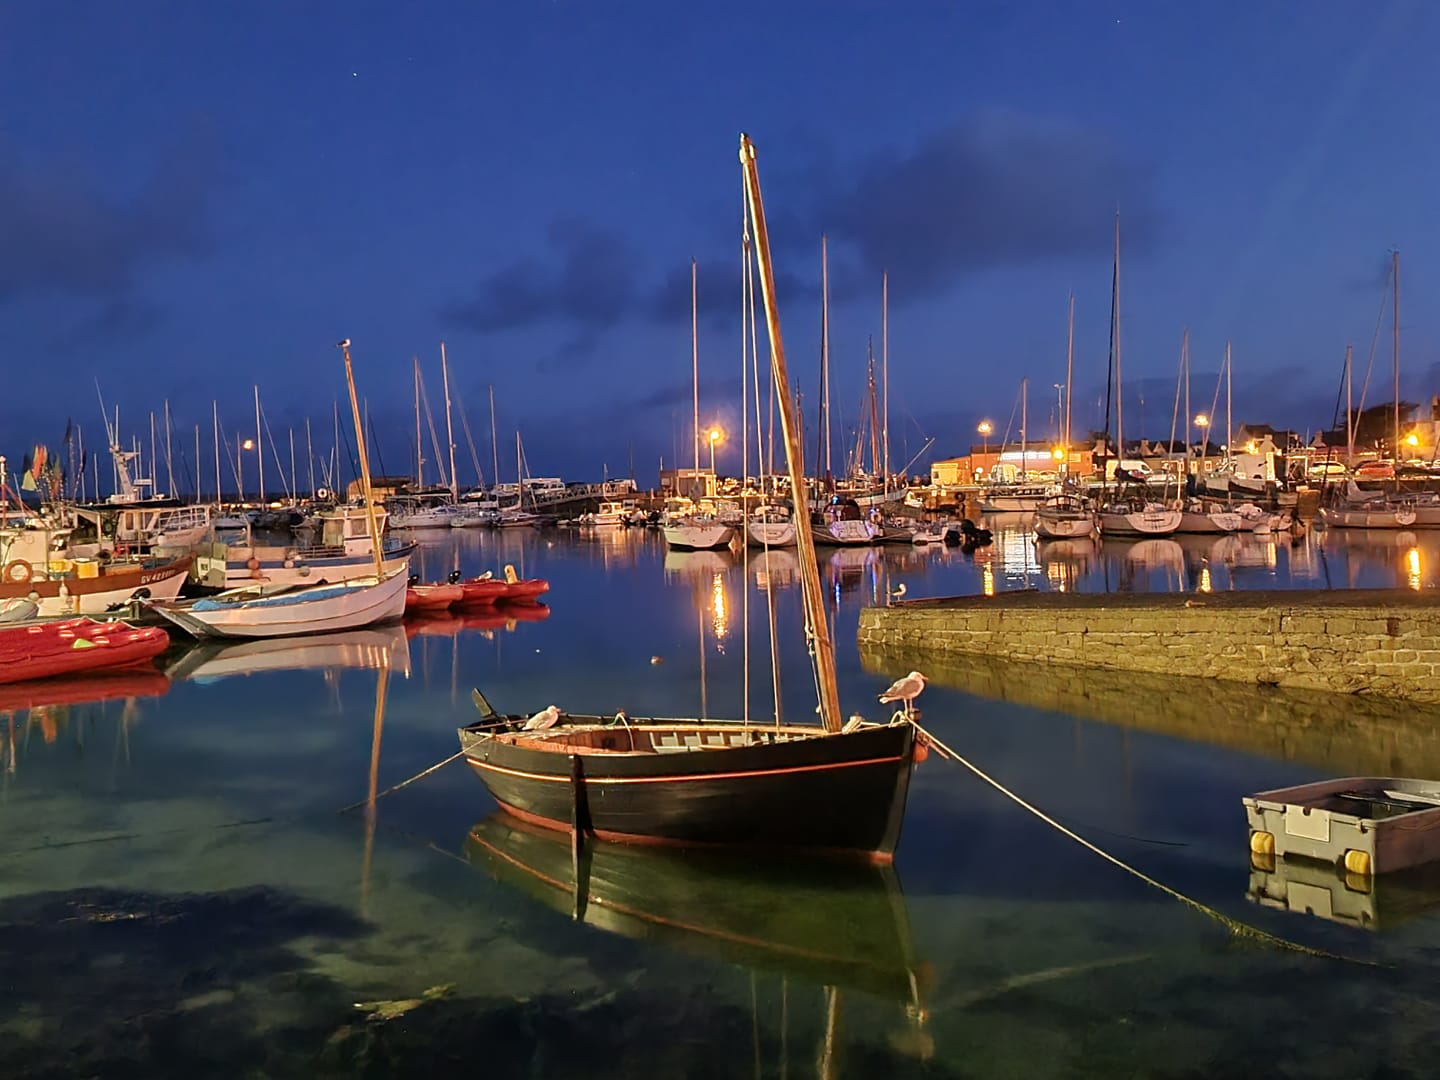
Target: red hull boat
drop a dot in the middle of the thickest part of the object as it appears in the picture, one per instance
(433, 597)
(47, 650)
(482, 592)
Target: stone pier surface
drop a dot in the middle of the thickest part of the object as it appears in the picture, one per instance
(1370, 641)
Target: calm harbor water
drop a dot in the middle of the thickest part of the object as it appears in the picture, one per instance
(183, 896)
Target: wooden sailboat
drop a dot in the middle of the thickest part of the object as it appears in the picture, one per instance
(263, 610)
(684, 781)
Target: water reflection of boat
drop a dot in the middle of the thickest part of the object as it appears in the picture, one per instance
(372, 647)
(832, 922)
(448, 624)
(777, 567)
(696, 565)
(84, 689)
(1321, 889)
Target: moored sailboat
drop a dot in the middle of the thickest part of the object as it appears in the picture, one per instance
(713, 781)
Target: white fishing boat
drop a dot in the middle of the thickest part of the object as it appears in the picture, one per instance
(611, 512)
(1149, 520)
(1022, 498)
(1064, 517)
(265, 611)
(1197, 520)
(698, 533)
(771, 527)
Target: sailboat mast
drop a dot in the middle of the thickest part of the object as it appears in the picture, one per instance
(310, 456)
(1349, 414)
(1115, 321)
(822, 436)
(364, 465)
(885, 368)
(169, 468)
(259, 444)
(419, 446)
(1069, 378)
(1229, 424)
(695, 366)
(1024, 433)
(1185, 364)
(449, 427)
(494, 445)
(794, 453)
(215, 420)
(1395, 342)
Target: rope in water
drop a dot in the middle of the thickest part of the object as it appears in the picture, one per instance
(1235, 926)
(403, 783)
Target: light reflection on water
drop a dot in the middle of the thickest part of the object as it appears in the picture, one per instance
(214, 787)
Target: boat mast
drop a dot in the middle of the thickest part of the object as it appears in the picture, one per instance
(1395, 343)
(310, 455)
(822, 437)
(885, 369)
(1229, 425)
(259, 444)
(364, 466)
(1069, 379)
(419, 446)
(1349, 414)
(695, 367)
(794, 453)
(1185, 363)
(1115, 320)
(215, 420)
(449, 428)
(494, 445)
(169, 468)
(875, 464)
(1024, 434)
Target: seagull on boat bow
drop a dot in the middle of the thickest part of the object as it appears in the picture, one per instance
(543, 720)
(905, 689)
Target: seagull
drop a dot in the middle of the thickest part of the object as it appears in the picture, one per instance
(906, 690)
(543, 720)
(897, 592)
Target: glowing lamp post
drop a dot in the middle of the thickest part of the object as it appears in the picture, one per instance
(716, 436)
(245, 444)
(985, 428)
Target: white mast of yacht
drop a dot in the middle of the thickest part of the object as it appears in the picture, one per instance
(259, 445)
(695, 366)
(1115, 318)
(1069, 380)
(885, 371)
(494, 445)
(449, 428)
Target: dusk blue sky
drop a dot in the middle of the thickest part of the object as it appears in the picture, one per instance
(195, 198)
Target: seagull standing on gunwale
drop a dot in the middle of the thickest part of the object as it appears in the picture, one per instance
(543, 720)
(905, 689)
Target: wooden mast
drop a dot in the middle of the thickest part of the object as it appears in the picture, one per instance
(364, 465)
(794, 453)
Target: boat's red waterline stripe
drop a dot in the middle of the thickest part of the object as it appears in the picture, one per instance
(682, 778)
(877, 858)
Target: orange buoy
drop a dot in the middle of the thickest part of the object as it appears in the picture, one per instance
(19, 571)
(922, 750)
(253, 563)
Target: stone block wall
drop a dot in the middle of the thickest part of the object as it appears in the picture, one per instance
(1311, 642)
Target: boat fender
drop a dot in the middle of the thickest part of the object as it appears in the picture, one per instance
(18, 571)
(289, 564)
(922, 749)
(257, 574)
(252, 564)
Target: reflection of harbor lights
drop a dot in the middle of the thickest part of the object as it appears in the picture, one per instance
(1204, 585)
(987, 579)
(1412, 568)
(717, 607)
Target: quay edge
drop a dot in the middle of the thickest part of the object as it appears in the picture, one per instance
(1373, 641)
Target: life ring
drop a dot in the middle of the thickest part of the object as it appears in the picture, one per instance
(322, 493)
(18, 571)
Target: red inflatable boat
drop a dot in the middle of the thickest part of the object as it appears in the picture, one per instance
(45, 650)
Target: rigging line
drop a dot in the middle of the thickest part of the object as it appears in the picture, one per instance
(434, 439)
(275, 453)
(744, 466)
(1235, 926)
(474, 457)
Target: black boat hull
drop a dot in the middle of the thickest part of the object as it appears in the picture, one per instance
(838, 792)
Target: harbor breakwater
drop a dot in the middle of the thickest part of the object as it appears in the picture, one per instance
(1373, 641)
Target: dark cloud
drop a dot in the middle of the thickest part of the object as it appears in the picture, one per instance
(997, 189)
(664, 397)
(63, 234)
(590, 282)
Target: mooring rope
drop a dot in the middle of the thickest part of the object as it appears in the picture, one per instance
(403, 783)
(1235, 926)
